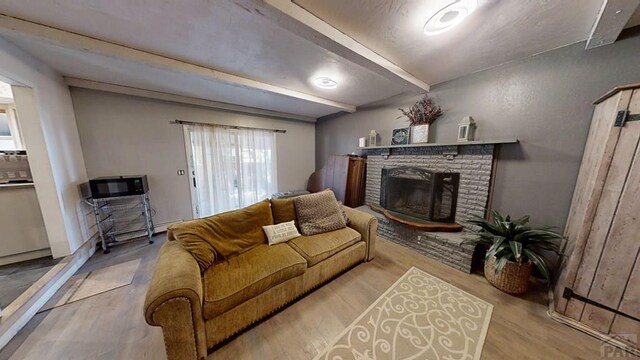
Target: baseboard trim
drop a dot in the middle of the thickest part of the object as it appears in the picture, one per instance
(21, 310)
(587, 330)
(159, 228)
(29, 255)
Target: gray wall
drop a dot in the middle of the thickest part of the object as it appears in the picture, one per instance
(545, 101)
(125, 135)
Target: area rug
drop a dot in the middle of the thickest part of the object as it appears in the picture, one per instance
(418, 317)
(96, 282)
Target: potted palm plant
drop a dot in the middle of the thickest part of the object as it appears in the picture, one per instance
(514, 248)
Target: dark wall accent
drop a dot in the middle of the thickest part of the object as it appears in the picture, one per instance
(544, 100)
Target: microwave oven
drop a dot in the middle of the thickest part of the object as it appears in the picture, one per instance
(115, 186)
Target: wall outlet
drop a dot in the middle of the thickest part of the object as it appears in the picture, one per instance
(181, 172)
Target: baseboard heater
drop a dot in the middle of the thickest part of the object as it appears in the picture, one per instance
(569, 294)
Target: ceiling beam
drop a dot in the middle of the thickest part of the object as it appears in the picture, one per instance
(84, 43)
(301, 22)
(159, 95)
(611, 20)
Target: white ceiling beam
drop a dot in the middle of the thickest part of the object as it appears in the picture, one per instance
(159, 95)
(84, 43)
(299, 21)
(611, 20)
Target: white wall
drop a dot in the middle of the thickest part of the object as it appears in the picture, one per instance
(128, 135)
(51, 138)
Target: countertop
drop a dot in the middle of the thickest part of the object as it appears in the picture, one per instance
(16, 186)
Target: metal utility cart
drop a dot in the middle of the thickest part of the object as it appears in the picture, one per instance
(121, 208)
(122, 219)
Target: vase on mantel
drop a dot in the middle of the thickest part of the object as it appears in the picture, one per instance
(420, 134)
(421, 115)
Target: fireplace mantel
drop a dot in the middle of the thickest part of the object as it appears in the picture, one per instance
(475, 142)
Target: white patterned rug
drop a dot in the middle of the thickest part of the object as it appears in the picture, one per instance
(419, 317)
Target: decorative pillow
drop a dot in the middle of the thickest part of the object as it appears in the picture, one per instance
(344, 214)
(220, 236)
(281, 232)
(319, 213)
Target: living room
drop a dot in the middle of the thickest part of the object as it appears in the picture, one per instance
(485, 149)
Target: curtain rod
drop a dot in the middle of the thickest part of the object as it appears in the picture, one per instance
(181, 122)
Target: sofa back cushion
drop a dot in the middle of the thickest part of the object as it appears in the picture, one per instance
(283, 210)
(319, 213)
(221, 236)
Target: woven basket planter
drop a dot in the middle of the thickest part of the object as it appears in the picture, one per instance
(513, 279)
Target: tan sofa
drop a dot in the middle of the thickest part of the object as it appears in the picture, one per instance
(199, 301)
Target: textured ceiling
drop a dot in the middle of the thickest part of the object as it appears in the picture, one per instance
(497, 32)
(217, 34)
(117, 71)
(226, 36)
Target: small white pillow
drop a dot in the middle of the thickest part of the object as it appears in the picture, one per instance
(281, 232)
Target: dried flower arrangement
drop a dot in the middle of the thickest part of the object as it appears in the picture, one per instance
(423, 112)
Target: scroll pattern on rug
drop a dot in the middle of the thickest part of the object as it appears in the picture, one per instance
(419, 317)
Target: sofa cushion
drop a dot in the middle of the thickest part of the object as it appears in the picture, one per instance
(283, 210)
(218, 237)
(316, 248)
(319, 213)
(240, 278)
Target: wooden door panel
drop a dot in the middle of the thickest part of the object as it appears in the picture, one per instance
(599, 150)
(622, 244)
(355, 182)
(612, 190)
(630, 304)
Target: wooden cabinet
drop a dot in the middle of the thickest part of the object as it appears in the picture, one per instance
(24, 236)
(600, 262)
(344, 175)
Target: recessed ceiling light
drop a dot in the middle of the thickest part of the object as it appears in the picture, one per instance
(449, 16)
(325, 82)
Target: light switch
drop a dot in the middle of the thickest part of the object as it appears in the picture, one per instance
(181, 172)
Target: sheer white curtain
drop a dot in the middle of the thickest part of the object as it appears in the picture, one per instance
(233, 168)
(214, 167)
(257, 178)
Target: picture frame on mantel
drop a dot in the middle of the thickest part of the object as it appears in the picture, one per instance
(400, 136)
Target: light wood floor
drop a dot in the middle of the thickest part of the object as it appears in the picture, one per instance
(111, 325)
(18, 277)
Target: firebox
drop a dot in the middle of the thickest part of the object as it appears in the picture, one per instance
(420, 193)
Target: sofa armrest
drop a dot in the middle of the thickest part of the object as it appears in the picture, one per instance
(174, 302)
(367, 226)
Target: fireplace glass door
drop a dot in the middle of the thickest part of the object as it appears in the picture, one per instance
(420, 193)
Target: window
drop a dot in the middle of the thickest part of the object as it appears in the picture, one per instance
(231, 168)
(5, 130)
(9, 138)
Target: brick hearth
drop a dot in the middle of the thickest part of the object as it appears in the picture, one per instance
(473, 162)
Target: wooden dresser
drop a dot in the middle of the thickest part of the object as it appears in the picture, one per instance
(344, 175)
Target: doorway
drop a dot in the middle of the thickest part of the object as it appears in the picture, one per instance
(25, 254)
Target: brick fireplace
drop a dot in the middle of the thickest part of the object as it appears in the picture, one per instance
(473, 163)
